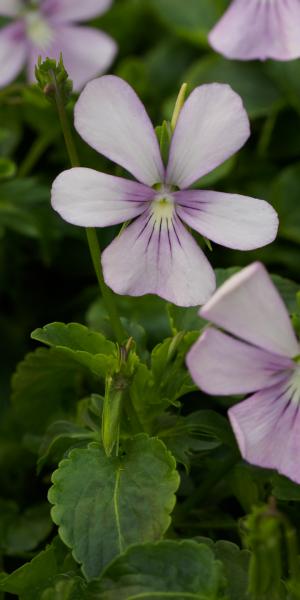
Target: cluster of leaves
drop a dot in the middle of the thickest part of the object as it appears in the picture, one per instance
(141, 468)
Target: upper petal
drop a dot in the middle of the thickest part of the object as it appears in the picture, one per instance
(212, 126)
(91, 199)
(220, 364)
(229, 219)
(110, 117)
(12, 52)
(249, 306)
(158, 258)
(10, 8)
(62, 11)
(267, 428)
(86, 52)
(252, 29)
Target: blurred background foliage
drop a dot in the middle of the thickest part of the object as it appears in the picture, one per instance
(45, 269)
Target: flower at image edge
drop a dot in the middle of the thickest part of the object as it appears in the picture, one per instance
(261, 359)
(258, 29)
(47, 29)
(156, 253)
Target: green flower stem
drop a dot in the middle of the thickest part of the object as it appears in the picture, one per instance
(37, 149)
(92, 239)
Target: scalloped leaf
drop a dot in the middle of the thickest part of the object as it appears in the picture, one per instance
(167, 569)
(102, 505)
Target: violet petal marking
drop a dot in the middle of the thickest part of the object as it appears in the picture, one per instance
(258, 29)
(264, 360)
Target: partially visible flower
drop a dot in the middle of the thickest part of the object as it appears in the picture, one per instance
(262, 357)
(259, 29)
(46, 28)
(156, 254)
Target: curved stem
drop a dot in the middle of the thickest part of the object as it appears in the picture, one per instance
(95, 252)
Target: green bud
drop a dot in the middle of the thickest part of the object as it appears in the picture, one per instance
(53, 79)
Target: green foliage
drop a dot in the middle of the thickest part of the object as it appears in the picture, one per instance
(167, 569)
(102, 504)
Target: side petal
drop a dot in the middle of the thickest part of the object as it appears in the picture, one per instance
(267, 429)
(249, 306)
(228, 219)
(220, 364)
(91, 199)
(110, 117)
(160, 258)
(252, 29)
(12, 52)
(86, 52)
(67, 11)
(212, 126)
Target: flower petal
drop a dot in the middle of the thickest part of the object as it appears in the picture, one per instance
(110, 117)
(252, 29)
(212, 126)
(62, 11)
(229, 219)
(267, 428)
(220, 364)
(10, 8)
(91, 199)
(86, 52)
(249, 306)
(12, 52)
(152, 257)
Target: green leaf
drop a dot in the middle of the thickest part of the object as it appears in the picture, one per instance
(285, 489)
(167, 569)
(248, 79)
(89, 348)
(7, 168)
(200, 431)
(285, 199)
(236, 566)
(45, 387)
(66, 588)
(170, 375)
(102, 505)
(192, 19)
(22, 532)
(59, 438)
(31, 579)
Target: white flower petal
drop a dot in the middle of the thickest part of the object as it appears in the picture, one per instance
(90, 199)
(228, 219)
(110, 117)
(220, 364)
(249, 306)
(212, 126)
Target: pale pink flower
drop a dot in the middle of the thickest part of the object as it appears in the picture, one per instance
(259, 29)
(156, 253)
(49, 27)
(262, 356)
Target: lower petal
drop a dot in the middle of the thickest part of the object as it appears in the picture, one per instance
(158, 258)
(88, 198)
(12, 52)
(267, 428)
(222, 365)
(86, 53)
(231, 220)
(252, 29)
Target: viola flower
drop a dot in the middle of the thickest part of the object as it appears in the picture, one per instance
(47, 28)
(155, 253)
(258, 29)
(262, 357)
